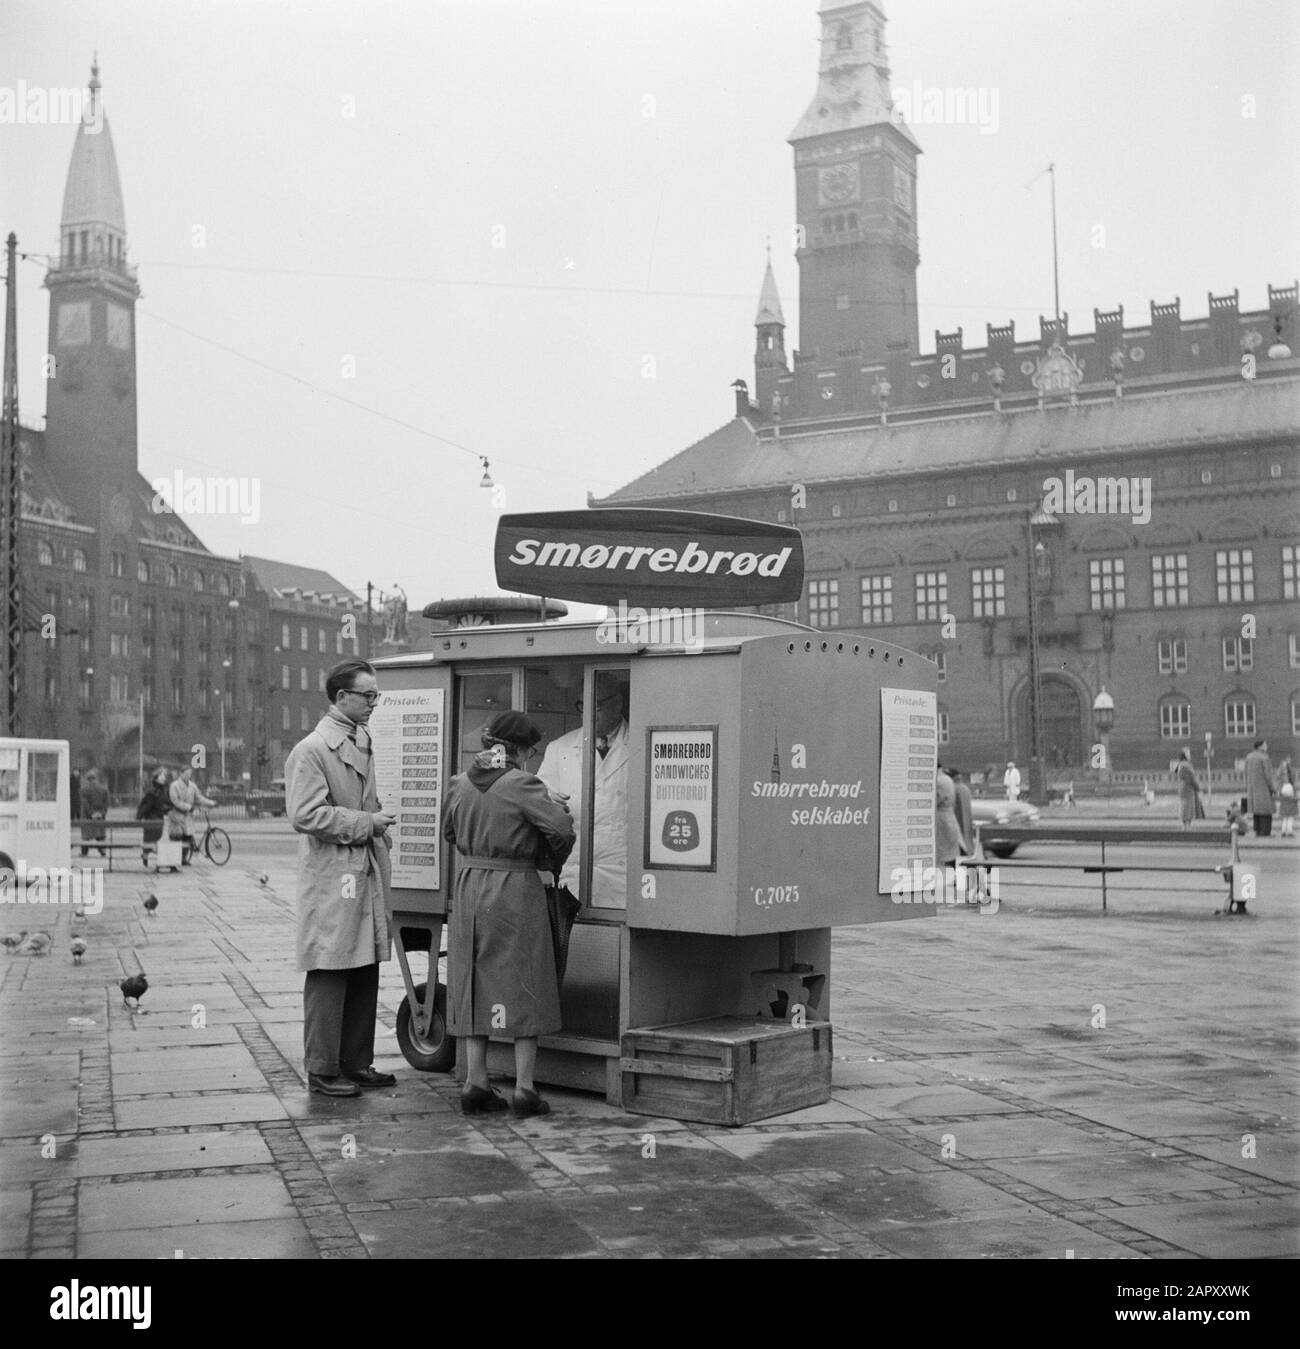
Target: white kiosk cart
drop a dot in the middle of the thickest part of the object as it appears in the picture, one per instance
(777, 781)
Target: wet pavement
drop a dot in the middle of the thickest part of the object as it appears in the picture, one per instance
(1044, 1082)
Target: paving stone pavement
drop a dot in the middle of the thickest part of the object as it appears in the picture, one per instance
(1040, 1083)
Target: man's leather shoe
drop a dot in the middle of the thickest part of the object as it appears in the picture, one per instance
(369, 1080)
(332, 1086)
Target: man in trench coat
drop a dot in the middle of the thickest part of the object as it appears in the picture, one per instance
(1259, 789)
(343, 878)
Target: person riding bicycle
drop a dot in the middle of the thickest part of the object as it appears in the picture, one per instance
(185, 798)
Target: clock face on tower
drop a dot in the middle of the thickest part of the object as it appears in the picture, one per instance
(838, 184)
(119, 327)
(74, 324)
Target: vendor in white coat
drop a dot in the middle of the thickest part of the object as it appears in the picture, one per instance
(561, 770)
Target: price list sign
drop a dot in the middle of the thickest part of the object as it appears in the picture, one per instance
(408, 735)
(909, 750)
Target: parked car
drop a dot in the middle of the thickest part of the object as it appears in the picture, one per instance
(1017, 814)
(226, 793)
(266, 800)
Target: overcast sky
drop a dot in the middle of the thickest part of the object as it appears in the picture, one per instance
(506, 214)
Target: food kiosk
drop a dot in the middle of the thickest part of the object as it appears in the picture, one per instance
(777, 782)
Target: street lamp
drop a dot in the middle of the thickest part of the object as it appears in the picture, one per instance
(221, 705)
(1103, 718)
(1038, 563)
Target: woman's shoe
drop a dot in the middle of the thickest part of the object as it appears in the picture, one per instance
(527, 1103)
(481, 1101)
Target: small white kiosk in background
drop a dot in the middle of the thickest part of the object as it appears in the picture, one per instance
(777, 780)
(35, 805)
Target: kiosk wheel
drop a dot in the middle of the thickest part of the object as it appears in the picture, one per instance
(434, 1052)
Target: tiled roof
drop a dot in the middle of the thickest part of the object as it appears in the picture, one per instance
(283, 577)
(736, 458)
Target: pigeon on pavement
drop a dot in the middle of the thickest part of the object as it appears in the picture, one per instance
(134, 986)
(12, 943)
(151, 904)
(78, 948)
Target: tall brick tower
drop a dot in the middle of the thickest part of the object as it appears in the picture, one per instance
(90, 436)
(855, 196)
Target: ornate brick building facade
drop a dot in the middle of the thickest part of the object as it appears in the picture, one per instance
(1147, 474)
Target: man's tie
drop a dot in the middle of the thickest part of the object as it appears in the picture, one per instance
(602, 745)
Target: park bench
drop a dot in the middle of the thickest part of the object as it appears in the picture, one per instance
(1113, 837)
(133, 843)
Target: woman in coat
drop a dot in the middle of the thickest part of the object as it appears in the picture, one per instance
(948, 843)
(1189, 791)
(500, 957)
(153, 808)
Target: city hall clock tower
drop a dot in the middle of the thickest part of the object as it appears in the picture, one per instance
(855, 197)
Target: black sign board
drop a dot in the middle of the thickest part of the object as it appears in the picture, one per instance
(649, 557)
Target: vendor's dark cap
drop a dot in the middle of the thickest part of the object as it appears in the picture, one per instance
(514, 728)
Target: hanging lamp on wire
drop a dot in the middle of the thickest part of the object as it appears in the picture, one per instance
(486, 479)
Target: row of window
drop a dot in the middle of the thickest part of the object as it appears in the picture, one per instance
(218, 582)
(304, 679)
(1239, 720)
(322, 641)
(1238, 654)
(1234, 579)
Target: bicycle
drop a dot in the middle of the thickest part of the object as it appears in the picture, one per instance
(214, 844)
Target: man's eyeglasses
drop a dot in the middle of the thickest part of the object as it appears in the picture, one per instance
(601, 701)
(371, 698)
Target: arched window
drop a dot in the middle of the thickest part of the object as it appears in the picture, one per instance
(44, 553)
(198, 580)
(173, 575)
(79, 562)
(223, 584)
(142, 571)
(844, 38)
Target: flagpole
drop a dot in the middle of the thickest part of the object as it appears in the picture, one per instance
(141, 768)
(1056, 267)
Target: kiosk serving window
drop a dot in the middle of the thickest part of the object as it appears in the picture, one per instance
(582, 711)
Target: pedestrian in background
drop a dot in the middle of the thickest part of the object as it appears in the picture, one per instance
(186, 797)
(1189, 791)
(964, 810)
(343, 881)
(948, 842)
(153, 808)
(94, 806)
(1259, 789)
(500, 954)
(1287, 805)
(1011, 781)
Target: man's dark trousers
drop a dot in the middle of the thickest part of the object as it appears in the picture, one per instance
(339, 1009)
(1263, 826)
